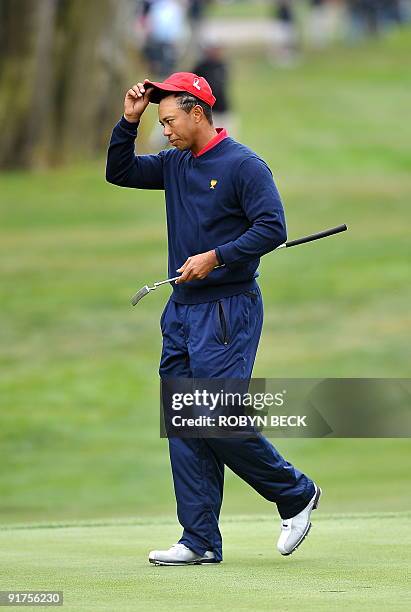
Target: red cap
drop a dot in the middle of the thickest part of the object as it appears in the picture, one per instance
(182, 81)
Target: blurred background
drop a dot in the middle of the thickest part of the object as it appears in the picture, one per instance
(319, 89)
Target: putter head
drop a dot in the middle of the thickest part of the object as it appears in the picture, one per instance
(140, 294)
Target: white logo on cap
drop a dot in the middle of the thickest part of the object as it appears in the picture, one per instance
(196, 84)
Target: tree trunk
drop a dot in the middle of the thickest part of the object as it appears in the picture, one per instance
(64, 67)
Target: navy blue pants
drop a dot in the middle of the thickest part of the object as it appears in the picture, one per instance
(219, 340)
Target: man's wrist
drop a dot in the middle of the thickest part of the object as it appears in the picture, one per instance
(213, 258)
(133, 120)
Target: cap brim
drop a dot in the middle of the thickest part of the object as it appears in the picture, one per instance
(160, 90)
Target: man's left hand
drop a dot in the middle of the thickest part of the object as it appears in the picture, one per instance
(197, 267)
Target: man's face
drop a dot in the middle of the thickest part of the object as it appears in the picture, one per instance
(179, 126)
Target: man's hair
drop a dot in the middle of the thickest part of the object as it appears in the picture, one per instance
(187, 102)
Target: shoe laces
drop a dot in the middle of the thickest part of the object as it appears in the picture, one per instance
(179, 546)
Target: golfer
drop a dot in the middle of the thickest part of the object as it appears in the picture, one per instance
(223, 213)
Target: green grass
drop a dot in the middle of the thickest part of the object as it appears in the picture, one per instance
(78, 366)
(354, 562)
(79, 394)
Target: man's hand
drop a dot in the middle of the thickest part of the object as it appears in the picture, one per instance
(197, 267)
(136, 102)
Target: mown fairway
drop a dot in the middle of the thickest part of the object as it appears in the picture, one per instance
(78, 378)
(349, 562)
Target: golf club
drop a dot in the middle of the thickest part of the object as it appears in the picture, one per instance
(328, 232)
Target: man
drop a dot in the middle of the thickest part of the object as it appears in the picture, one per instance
(223, 213)
(213, 66)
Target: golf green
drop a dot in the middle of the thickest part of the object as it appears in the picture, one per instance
(349, 561)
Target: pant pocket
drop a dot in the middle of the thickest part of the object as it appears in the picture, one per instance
(222, 317)
(253, 294)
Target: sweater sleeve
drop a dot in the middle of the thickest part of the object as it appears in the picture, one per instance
(126, 169)
(261, 203)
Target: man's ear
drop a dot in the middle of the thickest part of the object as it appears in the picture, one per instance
(198, 113)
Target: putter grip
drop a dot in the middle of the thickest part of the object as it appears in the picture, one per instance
(323, 234)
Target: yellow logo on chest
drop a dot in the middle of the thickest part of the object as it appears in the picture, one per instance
(213, 183)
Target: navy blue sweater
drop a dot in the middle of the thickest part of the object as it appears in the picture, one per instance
(224, 199)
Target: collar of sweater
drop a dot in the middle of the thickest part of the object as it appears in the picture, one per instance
(221, 134)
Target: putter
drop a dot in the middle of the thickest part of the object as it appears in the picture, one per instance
(328, 232)
(146, 289)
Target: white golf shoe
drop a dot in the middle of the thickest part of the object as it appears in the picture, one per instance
(179, 554)
(294, 529)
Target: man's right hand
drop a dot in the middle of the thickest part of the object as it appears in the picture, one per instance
(136, 102)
